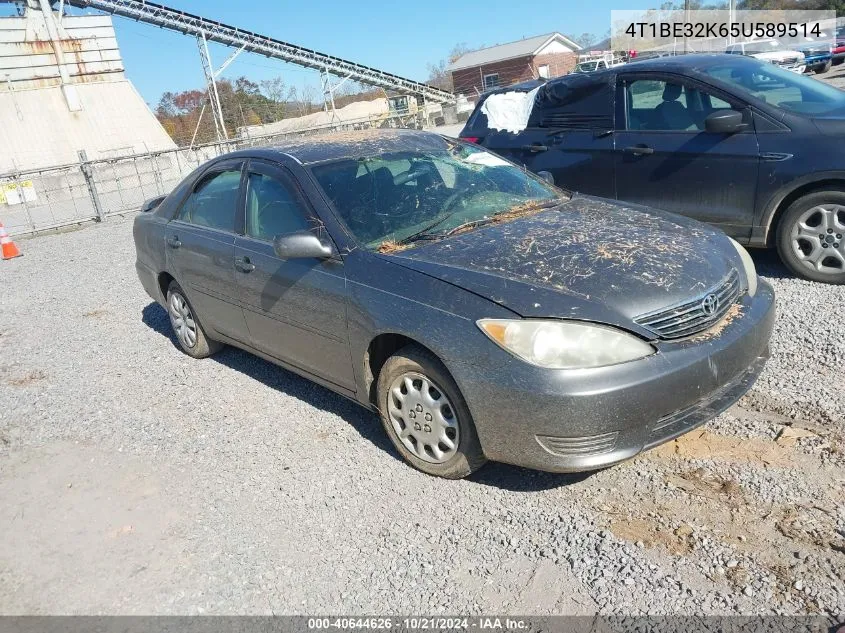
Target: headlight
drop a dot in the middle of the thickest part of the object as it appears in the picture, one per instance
(565, 344)
(748, 264)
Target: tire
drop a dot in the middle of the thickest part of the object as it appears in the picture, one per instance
(811, 237)
(193, 341)
(836, 62)
(823, 69)
(415, 411)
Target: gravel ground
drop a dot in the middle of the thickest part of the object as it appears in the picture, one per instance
(835, 76)
(136, 480)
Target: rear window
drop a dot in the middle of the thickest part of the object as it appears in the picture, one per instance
(476, 124)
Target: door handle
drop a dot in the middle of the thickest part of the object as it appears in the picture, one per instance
(536, 147)
(173, 242)
(244, 265)
(638, 150)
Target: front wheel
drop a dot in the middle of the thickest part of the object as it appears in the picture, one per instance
(811, 237)
(823, 69)
(425, 415)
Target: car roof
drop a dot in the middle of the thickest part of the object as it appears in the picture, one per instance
(685, 64)
(353, 144)
(694, 61)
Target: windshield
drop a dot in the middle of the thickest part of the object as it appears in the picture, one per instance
(396, 196)
(766, 46)
(780, 87)
(586, 67)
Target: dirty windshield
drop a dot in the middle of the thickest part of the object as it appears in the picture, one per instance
(405, 196)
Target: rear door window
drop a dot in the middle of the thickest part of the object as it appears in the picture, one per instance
(577, 102)
(213, 201)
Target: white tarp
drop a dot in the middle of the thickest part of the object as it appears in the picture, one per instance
(509, 111)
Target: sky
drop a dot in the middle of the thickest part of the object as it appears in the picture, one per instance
(399, 37)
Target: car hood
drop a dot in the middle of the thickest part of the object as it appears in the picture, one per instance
(588, 258)
(778, 56)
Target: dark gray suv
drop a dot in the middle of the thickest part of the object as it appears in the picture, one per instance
(483, 313)
(751, 148)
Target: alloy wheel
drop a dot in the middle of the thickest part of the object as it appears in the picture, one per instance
(423, 418)
(182, 320)
(817, 238)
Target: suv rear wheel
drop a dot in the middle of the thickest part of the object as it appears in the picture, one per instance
(811, 237)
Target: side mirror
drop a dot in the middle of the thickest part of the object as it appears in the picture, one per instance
(152, 204)
(303, 244)
(724, 122)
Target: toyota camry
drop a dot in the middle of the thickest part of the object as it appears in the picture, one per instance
(481, 312)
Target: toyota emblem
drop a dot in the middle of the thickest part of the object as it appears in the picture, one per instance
(710, 304)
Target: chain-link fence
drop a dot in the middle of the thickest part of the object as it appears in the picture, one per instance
(53, 197)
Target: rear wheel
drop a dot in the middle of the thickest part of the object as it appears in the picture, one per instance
(425, 415)
(811, 237)
(186, 326)
(823, 69)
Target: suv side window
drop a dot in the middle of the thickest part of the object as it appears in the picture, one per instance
(273, 207)
(213, 200)
(668, 106)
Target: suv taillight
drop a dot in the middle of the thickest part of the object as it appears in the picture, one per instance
(469, 139)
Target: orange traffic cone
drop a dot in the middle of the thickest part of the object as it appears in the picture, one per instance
(10, 250)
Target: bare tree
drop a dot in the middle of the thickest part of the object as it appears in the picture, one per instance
(275, 90)
(439, 75)
(302, 99)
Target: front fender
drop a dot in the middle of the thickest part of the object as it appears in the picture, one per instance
(440, 316)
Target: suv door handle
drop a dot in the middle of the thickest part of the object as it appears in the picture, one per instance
(638, 150)
(536, 147)
(244, 265)
(173, 242)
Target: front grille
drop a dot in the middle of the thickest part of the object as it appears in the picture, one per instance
(579, 446)
(692, 317)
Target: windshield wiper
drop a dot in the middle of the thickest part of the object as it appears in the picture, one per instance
(424, 234)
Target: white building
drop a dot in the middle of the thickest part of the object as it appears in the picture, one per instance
(63, 89)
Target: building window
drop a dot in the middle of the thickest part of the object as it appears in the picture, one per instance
(491, 81)
(543, 71)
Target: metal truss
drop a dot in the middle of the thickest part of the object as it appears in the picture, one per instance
(188, 24)
(214, 97)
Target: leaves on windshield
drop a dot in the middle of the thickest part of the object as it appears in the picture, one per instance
(392, 246)
(521, 210)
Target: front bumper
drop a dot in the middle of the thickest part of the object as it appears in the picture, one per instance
(574, 420)
(813, 62)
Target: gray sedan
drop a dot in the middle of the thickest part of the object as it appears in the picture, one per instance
(481, 312)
